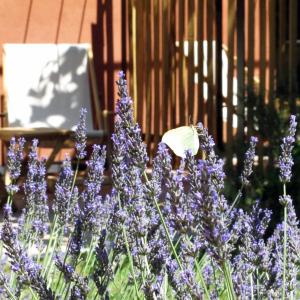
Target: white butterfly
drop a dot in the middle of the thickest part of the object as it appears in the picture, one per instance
(182, 139)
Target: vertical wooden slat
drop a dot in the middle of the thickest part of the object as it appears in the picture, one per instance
(173, 63)
(292, 53)
(282, 72)
(272, 75)
(200, 23)
(262, 48)
(148, 59)
(262, 71)
(240, 78)
(250, 64)
(210, 72)
(272, 51)
(134, 56)
(156, 71)
(181, 63)
(191, 72)
(218, 93)
(231, 30)
(165, 65)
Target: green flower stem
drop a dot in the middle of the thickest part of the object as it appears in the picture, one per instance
(165, 227)
(90, 255)
(236, 199)
(202, 281)
(199, 272)
(252, 288)
(257, 285)
(9, 292)
(284, 243)
(49, 246)
(129, 256)
(68, 247)
(228, 280)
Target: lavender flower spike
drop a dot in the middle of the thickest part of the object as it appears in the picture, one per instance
(14, 162)
(285, 158)
(248, 162)
(80, 135)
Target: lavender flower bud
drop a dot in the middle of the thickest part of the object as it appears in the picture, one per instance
(15, 157)
(26, 269)
(35, 189)
(14, 163)
(285, 200)
(207, 145)
(80, 135)
(285, 159)
(63, 205)
(248, 162)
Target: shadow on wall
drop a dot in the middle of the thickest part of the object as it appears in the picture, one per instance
(53, 82)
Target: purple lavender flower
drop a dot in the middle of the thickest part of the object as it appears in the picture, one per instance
(127, 141)
(35, 189)
(28, 272)
(216, 164)
(80, 287)
(64, 205)
(285, 159)
(103, 270)
(14, 162)
(92, 200)
(5, 291)
(248, 161)
(80, 135)
(253, 257)
(76, 240)
(210, 210)
(275, 245)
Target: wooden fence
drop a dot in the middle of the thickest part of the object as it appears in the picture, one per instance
(221, 62)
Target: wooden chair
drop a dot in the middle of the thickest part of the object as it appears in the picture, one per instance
(45, 85)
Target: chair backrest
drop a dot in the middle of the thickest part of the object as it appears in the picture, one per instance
(46, 84)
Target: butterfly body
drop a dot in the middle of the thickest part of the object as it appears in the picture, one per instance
(182, 139)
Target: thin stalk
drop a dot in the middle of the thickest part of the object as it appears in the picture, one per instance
(165, 227)
(68, 247)
(257, 285)
(252, 288)
(236, 199)
(202, 281)
(9, 292)
(228, 281)
(199, 272)
(33, 294)
(90, 254)
(46, 259)
(284, 244)
(129, 255)
(215, 280)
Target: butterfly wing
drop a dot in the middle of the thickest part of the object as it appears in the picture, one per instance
(182, 139)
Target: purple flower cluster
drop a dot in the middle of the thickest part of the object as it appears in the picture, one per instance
(248, 161)
(35, 189)
(275, 247)
(27, 271)
(81, 135)
(253, 257)
(285, 159)
(14, 162)
(207, 145)
(170, 232)
(65, 199)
